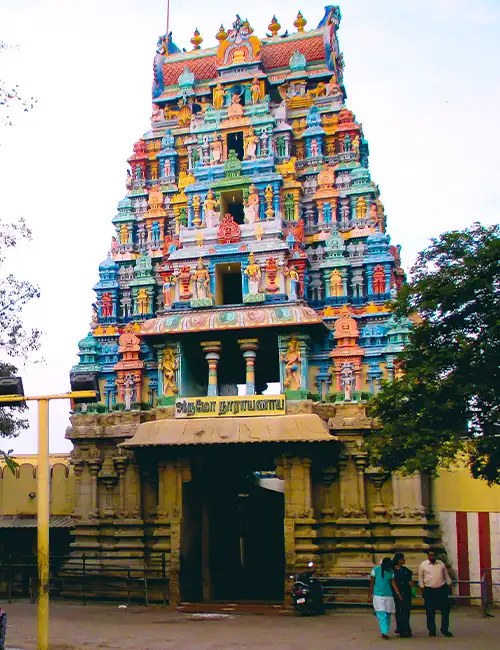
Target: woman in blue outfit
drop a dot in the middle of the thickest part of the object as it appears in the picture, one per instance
(382, 584)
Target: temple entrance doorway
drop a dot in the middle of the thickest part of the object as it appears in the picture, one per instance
(228, 284)
(232, 536)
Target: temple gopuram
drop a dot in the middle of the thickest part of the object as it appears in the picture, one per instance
(242, 321)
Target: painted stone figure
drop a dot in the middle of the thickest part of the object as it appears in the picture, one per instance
(142, 301)
(216, 151)
(106, 305)
(157, 115)
(255, 91)
(168, 366)
(336, 288)
(378, 279)
(184, 279)
(167, 293)
(294, 283)
(218, 96)
(235, 110)
(314, 149)
(251, 208)
(289, 206)
(129, 391)
(347, 381)
(292, 359)
(201, 279)
(128, 182)
(253, 274)
(123, 234)
(251, 142)
(209, 205)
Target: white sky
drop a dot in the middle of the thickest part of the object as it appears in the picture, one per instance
(422, 77)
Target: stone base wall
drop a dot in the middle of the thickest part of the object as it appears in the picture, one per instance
(339, 512)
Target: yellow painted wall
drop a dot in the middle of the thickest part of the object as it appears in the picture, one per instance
(15, 488)
(456, 490)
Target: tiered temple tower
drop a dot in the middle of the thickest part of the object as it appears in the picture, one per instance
(250, 252)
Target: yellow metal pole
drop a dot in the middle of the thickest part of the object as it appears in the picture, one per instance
(43, 524)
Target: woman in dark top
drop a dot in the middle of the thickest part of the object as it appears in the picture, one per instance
(403, 579)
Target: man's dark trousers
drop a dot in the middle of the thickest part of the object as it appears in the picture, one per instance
(436, 598)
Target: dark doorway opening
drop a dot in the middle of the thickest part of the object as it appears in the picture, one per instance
(237, 211)
(228, 285)
(232, 537)
(235, 142)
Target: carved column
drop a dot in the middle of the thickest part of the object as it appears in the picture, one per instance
(94, 467)
(212, 354)
(378, 478)
(249, 348)
(78, 464)
(361, 461)
(120, 463)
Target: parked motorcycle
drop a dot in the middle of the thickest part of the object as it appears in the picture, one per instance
(307, 594)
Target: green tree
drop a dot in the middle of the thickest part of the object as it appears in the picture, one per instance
(446, 400)
(16, 342)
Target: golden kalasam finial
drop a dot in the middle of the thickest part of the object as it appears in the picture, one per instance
(300, 22)
(274, 27)
(221, 34)
(197, 39)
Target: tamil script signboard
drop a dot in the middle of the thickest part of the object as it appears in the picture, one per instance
(216, 407)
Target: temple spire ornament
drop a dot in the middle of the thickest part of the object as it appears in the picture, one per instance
(300, 22)
(274, 27)
(196, 40)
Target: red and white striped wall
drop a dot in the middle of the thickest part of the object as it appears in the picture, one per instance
(472, 541)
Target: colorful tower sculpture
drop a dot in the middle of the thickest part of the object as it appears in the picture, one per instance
(252, 188)
(250, 251)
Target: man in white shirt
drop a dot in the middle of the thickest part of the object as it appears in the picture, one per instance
(434, 581)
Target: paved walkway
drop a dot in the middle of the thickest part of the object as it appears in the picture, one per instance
(75, 627)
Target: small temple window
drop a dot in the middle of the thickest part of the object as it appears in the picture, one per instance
(232, 203)
(228, 289)
(235, 142)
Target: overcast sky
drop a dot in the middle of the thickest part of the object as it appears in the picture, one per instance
(421, 76)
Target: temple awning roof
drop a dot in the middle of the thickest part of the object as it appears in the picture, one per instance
(231, 319)
(206, 431)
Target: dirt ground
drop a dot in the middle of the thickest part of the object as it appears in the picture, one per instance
(75, 627)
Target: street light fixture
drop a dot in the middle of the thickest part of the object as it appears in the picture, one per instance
(12, 394)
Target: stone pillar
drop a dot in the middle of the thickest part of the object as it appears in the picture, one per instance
(77, 464)
(94, 467)
(121, 465)
(212, 354)
(409, 516)
(378, 478)
(249, 348)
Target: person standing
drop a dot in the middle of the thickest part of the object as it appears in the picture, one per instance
(3, 628)
(382, 584)
(434, 581)
(403, 579)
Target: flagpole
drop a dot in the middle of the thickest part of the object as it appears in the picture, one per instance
(168, 21)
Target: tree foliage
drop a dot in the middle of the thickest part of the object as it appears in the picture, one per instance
(446, 400)
(16, 342)
(10, 97)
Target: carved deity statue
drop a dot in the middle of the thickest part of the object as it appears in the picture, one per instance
(289, 206)
(314, 149)
(253, 274)
(216, 150)
(184, 279)
(128, 182)
(201, 279)
(168, 365)
(255, 91)
(209, 205)
(378, 279)
(128, 391)
(167, 292)
(336, 288)
(347, 381)
(251, 208)
(332, 87)
(218, 96)
(142, 301)
(361, 208)
(292, 359)
(123, 234)
(294, 283)
(106, 305)
(157, 115)
(251, 142)
(236, 109)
